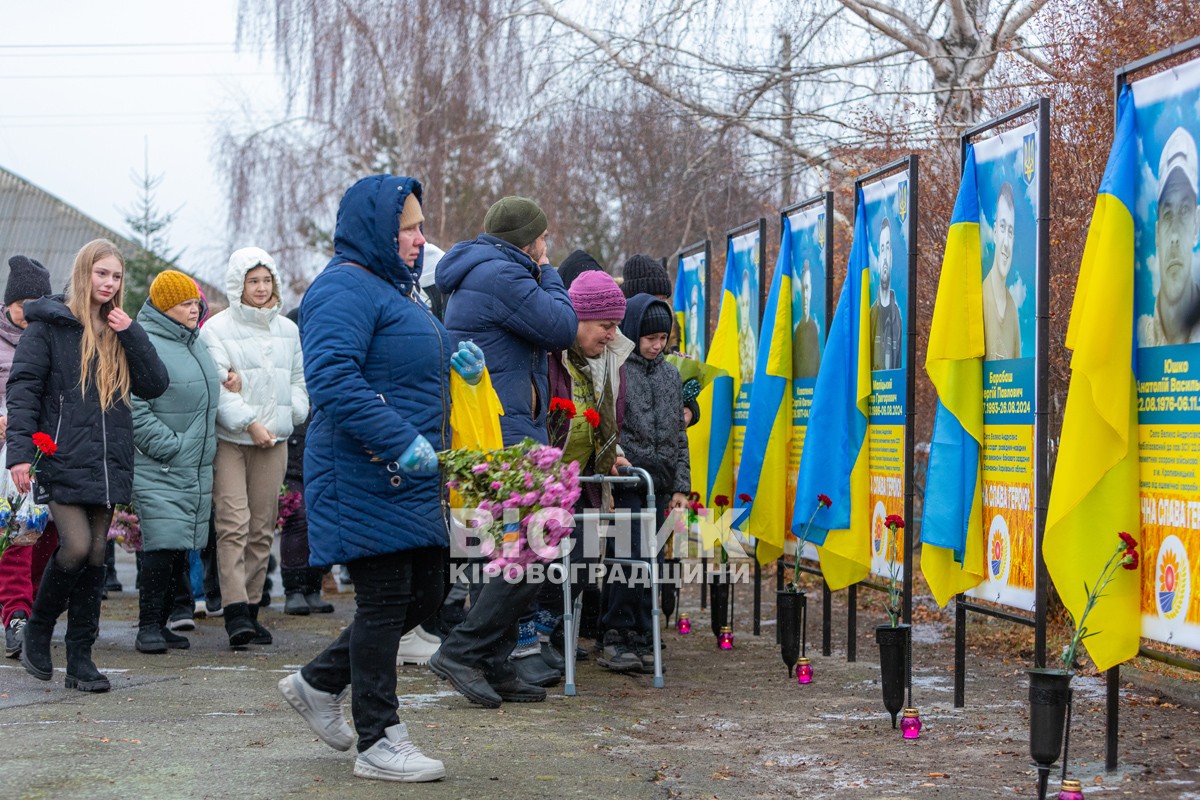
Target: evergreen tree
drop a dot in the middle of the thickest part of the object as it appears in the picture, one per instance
(149, 226)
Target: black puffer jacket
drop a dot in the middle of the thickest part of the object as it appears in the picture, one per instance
(653, 435)
(94, 462)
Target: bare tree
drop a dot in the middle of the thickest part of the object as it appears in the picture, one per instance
(410, 88)
(839, 65)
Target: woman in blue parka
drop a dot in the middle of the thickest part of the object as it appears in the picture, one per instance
(377, 364)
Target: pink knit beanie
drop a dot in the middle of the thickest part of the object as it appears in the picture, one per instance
(596, 295)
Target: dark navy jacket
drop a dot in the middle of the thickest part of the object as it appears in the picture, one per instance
(377, 365)
(516, 312)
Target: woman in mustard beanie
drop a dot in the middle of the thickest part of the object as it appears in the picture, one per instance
(176, 439)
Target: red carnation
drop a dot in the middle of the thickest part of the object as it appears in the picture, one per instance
(745, 498)
(694, 497)
(564, 405)
(1131, 559)
(823, 500)
(721, 500)
(1130, 542)
(894, 521)
(593, 417)
(44, 443)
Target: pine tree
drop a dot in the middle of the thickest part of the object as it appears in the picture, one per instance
(149, 226)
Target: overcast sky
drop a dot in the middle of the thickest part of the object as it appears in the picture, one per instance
(87, 88)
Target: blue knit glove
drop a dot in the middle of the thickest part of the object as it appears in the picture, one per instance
(468, 362)
(419, 458)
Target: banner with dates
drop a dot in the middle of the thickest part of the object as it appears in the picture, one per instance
(746, 259)
(1006, 177)
(1167, 322)
(889, 232)
(810, 307)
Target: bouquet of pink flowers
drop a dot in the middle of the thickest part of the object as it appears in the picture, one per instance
(289, 504)
(126, 529)
(522, 497)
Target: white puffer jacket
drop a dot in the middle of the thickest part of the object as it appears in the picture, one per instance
(263, 347)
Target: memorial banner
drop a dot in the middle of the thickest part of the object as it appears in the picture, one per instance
(745, 259)
(691, 301)
(886, 211)
(1006, 180)
(1167, 324)
(806, 230)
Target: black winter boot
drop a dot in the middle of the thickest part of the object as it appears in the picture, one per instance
(53, 595)
(295, 586)
(312, 595)
(152, 597)
(83, 627)
(261, 634)
(237, 625)
(174, 641)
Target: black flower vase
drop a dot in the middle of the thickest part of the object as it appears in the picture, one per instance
(1049, 699)
(895, 658)
(792, 610)
(718, 587)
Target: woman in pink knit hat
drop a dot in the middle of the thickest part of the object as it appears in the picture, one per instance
(590, 373)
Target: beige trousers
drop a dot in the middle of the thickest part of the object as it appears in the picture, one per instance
(246, 481)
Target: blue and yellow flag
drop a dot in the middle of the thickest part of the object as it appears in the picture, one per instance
(1095, 491)
(834, 461)
(763, 471)
(679, 304)
(711, 440)
(952, 528)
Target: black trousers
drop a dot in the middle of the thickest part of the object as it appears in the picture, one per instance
(626, 598)
(394, 593)
(487, 637)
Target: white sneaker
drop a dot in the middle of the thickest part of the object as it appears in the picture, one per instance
(321, 710)
(414, 649)
(396, 758)
(427, 636)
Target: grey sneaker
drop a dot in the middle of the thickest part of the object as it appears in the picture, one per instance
(396, 758)
(321, 710)
(617, 656)
(14, 635)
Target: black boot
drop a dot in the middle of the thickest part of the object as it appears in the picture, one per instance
(261, 634)
(83, 627)
(53, 595)
(295, 586)
(312, 595)
(152, 596)
(111, 584)
(237, 624)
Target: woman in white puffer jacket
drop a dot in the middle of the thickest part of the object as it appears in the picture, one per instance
(253, 339)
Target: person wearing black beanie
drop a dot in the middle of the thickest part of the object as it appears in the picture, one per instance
(575, 265)
(27, 280)
(645, 275)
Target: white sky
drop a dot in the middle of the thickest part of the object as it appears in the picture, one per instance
(87, 87)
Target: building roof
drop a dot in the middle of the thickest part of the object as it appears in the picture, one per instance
(37, 224)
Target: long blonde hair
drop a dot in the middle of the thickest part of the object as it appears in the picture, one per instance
(99, 346)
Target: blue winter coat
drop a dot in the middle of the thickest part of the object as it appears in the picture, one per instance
(377, 365)
(516, 312)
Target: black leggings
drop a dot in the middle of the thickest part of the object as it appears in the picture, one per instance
(82, 534)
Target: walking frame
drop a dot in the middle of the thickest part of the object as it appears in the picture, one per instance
(628, 477)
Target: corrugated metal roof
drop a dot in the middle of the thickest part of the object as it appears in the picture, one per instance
(37, 224)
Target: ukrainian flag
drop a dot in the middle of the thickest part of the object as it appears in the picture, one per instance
(762, 472)
(1095, 491)
(834, 461)
(952, 529)
(711, 440)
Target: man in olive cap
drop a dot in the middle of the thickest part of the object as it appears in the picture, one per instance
(502, 293)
